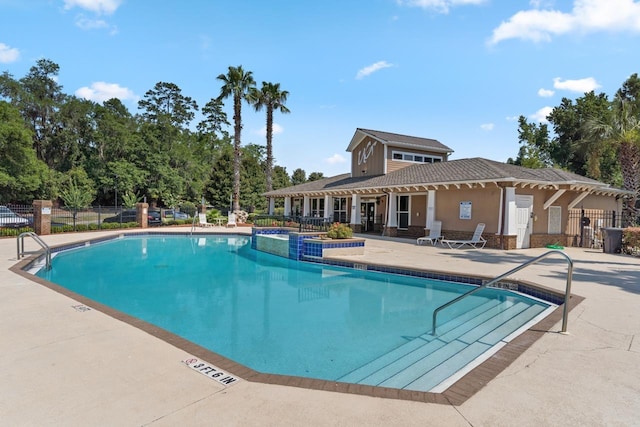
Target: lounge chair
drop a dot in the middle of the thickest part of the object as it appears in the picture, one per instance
(231, 222)
(434, 234)
(202, 220)
(477, 241)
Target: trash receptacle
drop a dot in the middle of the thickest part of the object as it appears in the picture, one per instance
(612, 241)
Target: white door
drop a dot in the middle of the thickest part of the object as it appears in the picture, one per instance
(524, 224)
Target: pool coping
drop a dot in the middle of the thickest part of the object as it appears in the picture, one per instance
(458, 393)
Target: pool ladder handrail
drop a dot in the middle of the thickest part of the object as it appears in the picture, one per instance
(193, 224)
(565, 310)
(45, 248)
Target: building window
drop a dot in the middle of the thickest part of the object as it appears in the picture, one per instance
(340, 209)
(415, 158)
(555, 220)
(296, 206)
(317, 207)
(403, 212)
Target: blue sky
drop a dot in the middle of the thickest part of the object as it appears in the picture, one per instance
(459, 71)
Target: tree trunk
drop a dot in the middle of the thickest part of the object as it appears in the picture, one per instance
(630, 167)
(269, 171)
(237, 119)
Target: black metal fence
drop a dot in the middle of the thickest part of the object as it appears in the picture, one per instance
(585, 225)
(15, 219)
(302, 223)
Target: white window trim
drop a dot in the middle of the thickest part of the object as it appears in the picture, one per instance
(398, 211)
(318, 212)
(550, 225)
(346, 208)
(433, 158)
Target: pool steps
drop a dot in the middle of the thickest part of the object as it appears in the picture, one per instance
(426, 361)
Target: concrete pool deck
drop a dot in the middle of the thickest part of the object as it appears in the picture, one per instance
(62, 365)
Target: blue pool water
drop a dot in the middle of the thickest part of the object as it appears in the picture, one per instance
(276, 315)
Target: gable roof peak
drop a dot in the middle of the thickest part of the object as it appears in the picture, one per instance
(399, 140)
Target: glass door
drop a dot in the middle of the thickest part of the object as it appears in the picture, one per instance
(367, 215)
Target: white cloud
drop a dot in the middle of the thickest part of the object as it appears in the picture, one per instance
(585, 17)
(540, 116)
(276, 129)
(581, 85)
(90, 24)
(487, 126)
(512, 118)
(545, 93)
(370, 69)
(441, 6)
(335, 159)
(538, 4)
(100, 7)
(8, 54)
(101, 91)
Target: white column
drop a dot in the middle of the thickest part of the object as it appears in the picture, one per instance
(500, 215)
(306, 210)
(393, 211)
(431, 208)
(272, 205)
(355, 209)
(328, 207)
(510, 211)
(287, 206)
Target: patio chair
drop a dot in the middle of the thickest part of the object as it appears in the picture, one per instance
(434, 234)
(477, 241)
(202, 220)
(231, 222)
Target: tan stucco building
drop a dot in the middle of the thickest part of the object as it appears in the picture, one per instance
(399, 184)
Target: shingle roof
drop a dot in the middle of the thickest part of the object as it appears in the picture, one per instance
(463, 171)
(398, 140)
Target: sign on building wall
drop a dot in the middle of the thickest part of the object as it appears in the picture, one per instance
(465, 210)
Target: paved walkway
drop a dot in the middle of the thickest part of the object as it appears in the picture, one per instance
(62, 366)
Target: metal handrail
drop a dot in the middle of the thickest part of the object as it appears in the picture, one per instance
(43, 245)
(565, 311)
(193, 224)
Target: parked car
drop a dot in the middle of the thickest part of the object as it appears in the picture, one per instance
(129, 215)
(175, 215)
(9, 218)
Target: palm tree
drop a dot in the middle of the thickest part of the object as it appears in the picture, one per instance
(621, 128)
(237, 83)
(273, 99)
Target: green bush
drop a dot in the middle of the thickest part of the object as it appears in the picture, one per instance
(177, 222)
(213, 213)
(62, 229)
(116, 225)
(93, 226)
(189, 208)
(109, 225)
(631, 240)
(339, 231)
(4, 232)
(82, 227)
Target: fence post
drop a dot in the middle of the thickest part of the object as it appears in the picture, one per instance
(614, 219)
(42, 216)
(142, 210)
(581, 228)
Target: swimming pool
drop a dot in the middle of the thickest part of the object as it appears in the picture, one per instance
(285, 317)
